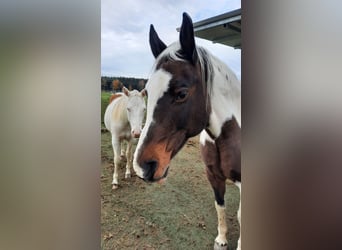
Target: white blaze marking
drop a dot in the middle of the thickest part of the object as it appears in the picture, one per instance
(156, 86)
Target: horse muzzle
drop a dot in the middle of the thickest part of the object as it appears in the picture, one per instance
(151, 173)
(136, 133)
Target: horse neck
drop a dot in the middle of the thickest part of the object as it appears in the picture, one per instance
(120, 112)
(225, 98)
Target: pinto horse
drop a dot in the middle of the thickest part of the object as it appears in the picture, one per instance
(191, 92)
(123, 118)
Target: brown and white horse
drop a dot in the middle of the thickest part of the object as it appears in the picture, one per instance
(191, 92)
(123, 118)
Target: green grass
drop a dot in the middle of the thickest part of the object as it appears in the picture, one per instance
(104, 103)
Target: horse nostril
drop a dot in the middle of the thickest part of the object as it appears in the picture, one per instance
(135, 134)
(149, 169)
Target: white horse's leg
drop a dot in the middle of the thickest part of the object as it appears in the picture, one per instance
(123, 152)
(221, 239)
(238, 184)
(116, 149)
(129, 155)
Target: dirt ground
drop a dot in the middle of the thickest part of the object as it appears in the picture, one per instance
(179, 214)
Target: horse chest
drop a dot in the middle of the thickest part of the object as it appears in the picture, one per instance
(229, 150)
(125, 133)
(222, 156)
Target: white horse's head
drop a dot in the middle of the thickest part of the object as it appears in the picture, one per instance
(135, 110)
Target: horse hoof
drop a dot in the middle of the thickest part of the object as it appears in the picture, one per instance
(128, 175)
(220, 246)
(115, 186)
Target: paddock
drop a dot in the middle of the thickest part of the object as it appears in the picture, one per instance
(179, 214)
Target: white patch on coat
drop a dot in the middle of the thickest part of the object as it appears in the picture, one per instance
(225, 97)
(204, 137)
(156, 86)
(221, 238)
(238, 184)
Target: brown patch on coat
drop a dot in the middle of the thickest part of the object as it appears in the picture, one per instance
(223, 158)
(157, 152)
(114, 96)
(192, 115)
(229, 149)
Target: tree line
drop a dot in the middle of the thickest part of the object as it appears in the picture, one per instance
(115, 84)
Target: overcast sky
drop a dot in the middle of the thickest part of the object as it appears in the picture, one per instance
(125, 50)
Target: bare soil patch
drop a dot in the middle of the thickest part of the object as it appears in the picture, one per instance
(179, 214)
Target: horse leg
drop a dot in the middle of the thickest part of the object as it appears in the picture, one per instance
(129, 158)
(116, 149)
(122, 155)
(219, 187)
(238, 184)
(218, 183)
(219, 191)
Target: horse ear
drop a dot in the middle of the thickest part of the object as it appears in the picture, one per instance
(157, 45)
(187, 39)
(143, 92)
(125, 91)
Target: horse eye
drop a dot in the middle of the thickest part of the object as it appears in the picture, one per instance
(181, 95)
(128, 109)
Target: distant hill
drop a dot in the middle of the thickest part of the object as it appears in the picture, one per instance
(115, 83)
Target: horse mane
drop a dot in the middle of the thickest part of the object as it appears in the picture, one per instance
(174, 53)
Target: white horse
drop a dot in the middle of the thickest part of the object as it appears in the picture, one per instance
(123, 118)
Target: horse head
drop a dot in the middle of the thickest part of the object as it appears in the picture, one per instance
(135, 110)
(177, 106)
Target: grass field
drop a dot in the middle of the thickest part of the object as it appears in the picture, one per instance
(104, 102)
(179, 214)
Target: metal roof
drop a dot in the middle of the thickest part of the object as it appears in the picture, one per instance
(224, 29)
